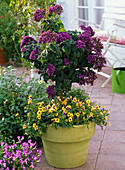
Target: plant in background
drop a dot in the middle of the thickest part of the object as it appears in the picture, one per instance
(19, 155)
(8, 27)
(65, 57)
(14, 92)
(65, 113)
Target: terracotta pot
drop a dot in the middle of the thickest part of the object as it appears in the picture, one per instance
(67, 147)
(3, 57)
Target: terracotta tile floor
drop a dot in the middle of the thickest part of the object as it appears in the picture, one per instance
(107, 147)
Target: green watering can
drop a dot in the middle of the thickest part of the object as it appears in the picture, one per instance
(118, 78)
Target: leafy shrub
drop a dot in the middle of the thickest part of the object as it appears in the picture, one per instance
(14, 94)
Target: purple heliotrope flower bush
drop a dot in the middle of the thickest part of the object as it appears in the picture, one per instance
(19, 155)
(65, 57)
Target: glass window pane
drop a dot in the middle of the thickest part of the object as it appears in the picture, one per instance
(99, 2)
(98, 14)
(83, 2)
(83, 14)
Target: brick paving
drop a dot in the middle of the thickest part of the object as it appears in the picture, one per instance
(107, 147)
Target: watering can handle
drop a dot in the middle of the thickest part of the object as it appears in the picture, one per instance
(117, 73)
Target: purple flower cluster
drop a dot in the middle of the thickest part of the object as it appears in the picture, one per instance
(27, 39)
(88, 29)
(47, 37)
(87, 77)
(33, 54)
(57, 9)
(50, 69)
(66, 61)
(38, 15)
(50, 91)
(80, 44)
(23, 156)
(62, 36)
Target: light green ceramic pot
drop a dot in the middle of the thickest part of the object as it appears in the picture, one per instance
(67, 147)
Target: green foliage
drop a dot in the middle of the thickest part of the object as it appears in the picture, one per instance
(14, 92)
(9, 39)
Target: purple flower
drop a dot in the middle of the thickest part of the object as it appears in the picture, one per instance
(87, 77)
(50, 69)
(2, 143)
(88, 29)
(27, 39)
(33, 54)
(57, 9)
(66, 62)
(24, 50)
(62, 36)
(4, 165)
(80, 44)
(50, 91)
(47, 37)
(38, 15)
(51, 10)
(1, 161)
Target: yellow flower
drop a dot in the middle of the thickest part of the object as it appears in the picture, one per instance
(24, 126)
(109, 124)
(77, 104)
(97, 107)
(35, 126)
(30, 96)
(68, 107)
(70, 97)
(40, 109)
(77, 114)
(68, 114)
(64, 102)
(29, 101)
(103, 107)
(83, 113)
(71, 114)
(83, 108)
(88, 101)
(63, 109)
(106, 117)
(91, 114)
(39, 116)
(70, 119)
(51, 110)
(17, 114)
(74, 99)
(39, 112)
(26, 133)
(57, 120)
(57, 114)
(92, 108)
(104, 112)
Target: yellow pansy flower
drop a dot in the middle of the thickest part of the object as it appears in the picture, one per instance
(68, 107)
(77, 104)
(39, 116)
(74, 99)
(64, 102)
(24, 126)
(77, 114)
(91, 114)
(29, 101)
(57, 120)
(109, 124)
(17, 114)
(30, 96)
(88, 101)
(70, 119)
(97, 107)
(83, 113)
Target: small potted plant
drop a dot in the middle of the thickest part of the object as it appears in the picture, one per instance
(63, 58)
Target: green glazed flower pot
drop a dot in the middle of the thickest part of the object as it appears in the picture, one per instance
(67, 147)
